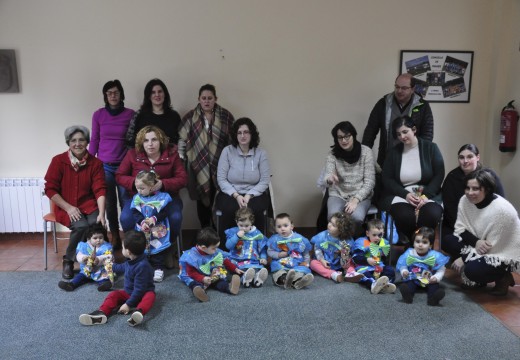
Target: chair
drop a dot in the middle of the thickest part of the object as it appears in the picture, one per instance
(50, 217)
(268, 213)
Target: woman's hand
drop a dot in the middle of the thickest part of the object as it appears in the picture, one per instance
(157, 186)
(413, 199)
(74, 213)
(351, 206)
(241, 201)
(101, 219)
(482, 247)
(422, 200)
(458, 265)
(247, 197)
(332, 179)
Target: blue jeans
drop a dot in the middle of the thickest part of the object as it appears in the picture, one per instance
(113, 192)
(174, 210)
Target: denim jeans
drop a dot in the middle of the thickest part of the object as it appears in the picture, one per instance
(113, 192)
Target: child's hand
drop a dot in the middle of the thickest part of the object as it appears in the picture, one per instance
(124, 309)
(283, 254)
(433, 280)
(263, 261)
(371, 262)
(150, 221)
(145, 227)
(206, 280)
(238, 271)
(405, 274)
(325, 263)
(240, 233)
(96, 261)
(84, 260)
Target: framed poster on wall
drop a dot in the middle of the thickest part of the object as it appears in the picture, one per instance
(441, 76)
(8, 72)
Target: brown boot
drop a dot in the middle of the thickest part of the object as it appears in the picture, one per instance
(502, 285)
(116, 240)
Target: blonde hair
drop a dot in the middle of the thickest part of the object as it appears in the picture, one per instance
(245, 213)
(161, 136)
(149, 178)
(344, 224)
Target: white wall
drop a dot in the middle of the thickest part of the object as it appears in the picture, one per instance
(296, 67)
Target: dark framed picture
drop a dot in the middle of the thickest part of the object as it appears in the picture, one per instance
(8, 72)
(441, 76)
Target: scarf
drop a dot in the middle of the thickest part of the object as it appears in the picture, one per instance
(204, 145)
(351, 156)
(75, 162)
(118, 110)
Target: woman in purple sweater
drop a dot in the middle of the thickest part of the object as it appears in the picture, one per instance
(109, 127)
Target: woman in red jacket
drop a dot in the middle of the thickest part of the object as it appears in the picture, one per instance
(75, 182)
(152, 153)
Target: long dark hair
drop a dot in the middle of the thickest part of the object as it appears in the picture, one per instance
(147, 102)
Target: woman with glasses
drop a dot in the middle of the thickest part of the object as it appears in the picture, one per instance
(243, 176)
(153, 153)
(107, 143)
(156, 110)
(412, 178)
(349, 175)
(75, 182)
(204, 132)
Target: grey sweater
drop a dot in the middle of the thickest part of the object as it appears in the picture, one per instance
(355, 180)
(243, 174)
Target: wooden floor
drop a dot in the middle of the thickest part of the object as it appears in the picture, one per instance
(24, 252)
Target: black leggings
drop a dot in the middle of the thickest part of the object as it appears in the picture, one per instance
(405, 220)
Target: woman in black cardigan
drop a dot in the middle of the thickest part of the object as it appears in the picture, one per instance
(412, 176)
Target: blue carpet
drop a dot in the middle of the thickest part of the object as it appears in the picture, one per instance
(325, 321)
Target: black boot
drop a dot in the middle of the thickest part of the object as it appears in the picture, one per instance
(68, 269)
(116, 240)
(502, 285)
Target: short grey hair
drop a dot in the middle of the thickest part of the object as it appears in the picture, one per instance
(71, 130)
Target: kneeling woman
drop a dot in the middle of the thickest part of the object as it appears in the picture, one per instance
(488, 233)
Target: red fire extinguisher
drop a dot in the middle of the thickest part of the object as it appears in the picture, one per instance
(508, 126)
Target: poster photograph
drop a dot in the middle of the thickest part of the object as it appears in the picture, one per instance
(441, 76)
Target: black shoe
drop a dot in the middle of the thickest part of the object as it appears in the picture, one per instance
(66, 285)
(97, 317)
(68, 269)
(406, 293)
(502, 285)
(436, 297)
(105, 286)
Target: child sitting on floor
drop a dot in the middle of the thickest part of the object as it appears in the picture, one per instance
(91, 255)
(332, 250)
(205, 266)
(422, 267)
(151, 217)
(368, 254)
(138, 295)
(290, 255)
(247, 246)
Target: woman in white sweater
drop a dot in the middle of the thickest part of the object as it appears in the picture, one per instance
(350, 175)
(488, 233)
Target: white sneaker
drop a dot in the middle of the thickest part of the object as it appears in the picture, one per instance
(379, 284)
(136, 318)
(260, 277)
(304, 281)
(248, 277)
(158, 275)
(388, 289)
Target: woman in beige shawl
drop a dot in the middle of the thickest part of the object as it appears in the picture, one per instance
(203, 133)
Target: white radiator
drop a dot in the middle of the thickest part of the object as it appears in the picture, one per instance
(23, 205)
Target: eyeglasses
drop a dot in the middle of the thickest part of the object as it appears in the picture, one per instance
(346, 137)
(245, 132)
(404, 88)
(113, 93)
